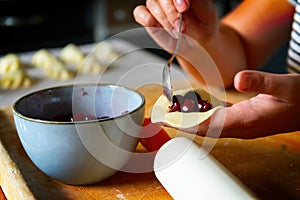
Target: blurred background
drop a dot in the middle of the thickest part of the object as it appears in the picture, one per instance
(29, 25)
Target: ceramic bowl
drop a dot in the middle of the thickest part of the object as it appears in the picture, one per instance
(80, 134)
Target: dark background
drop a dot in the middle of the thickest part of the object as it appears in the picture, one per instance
(29, 25)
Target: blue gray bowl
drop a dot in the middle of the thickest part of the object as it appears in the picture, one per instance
(80, 134)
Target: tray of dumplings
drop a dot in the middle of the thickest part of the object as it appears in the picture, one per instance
(55, 65)
(27, 71)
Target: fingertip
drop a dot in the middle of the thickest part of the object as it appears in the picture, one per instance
(244, 81)
(144, 17)
(279, 85)
(138, 9)
(239, 82)
(253, 81)
(182, 5)
(138, 14)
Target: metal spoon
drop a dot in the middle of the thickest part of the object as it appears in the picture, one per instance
(166, 78)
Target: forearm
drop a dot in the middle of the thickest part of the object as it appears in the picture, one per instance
(229, 54)
(227, 51)
(245, 39)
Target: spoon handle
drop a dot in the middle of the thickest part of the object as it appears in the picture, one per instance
(166, 79)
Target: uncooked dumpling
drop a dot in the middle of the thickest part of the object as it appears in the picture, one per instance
(15, 79)
(9, 63)
(160, 112)
(53, 67)
(87, 64)
(71, 54)
(12, 75)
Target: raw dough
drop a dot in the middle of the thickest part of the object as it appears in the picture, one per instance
(9, 63)
(160, 111)
(15, 79)
(53, 67)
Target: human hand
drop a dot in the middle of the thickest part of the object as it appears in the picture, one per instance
(201, 17)
(275, 109)
(164, 14)
(161, 20)
(203, 36)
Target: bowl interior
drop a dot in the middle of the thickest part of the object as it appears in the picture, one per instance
(79, 102)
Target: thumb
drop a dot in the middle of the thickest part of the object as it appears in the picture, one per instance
(182, 5)
(252, 81)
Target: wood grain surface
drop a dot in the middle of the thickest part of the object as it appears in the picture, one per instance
(2, 195)
(269, 166)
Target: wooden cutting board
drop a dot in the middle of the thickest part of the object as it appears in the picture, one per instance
(20, 179)
(269, 166)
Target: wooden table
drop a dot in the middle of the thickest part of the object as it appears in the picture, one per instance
(269, 166)
(2, 195)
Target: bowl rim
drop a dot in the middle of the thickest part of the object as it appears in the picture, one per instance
(17, 113)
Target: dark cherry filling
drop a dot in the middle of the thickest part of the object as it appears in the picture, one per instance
(176, 99)
(190, 102)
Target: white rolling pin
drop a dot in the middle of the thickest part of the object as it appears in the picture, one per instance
(187, 171)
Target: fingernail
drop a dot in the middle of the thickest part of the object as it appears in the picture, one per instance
(182, 5)
(247, 83)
